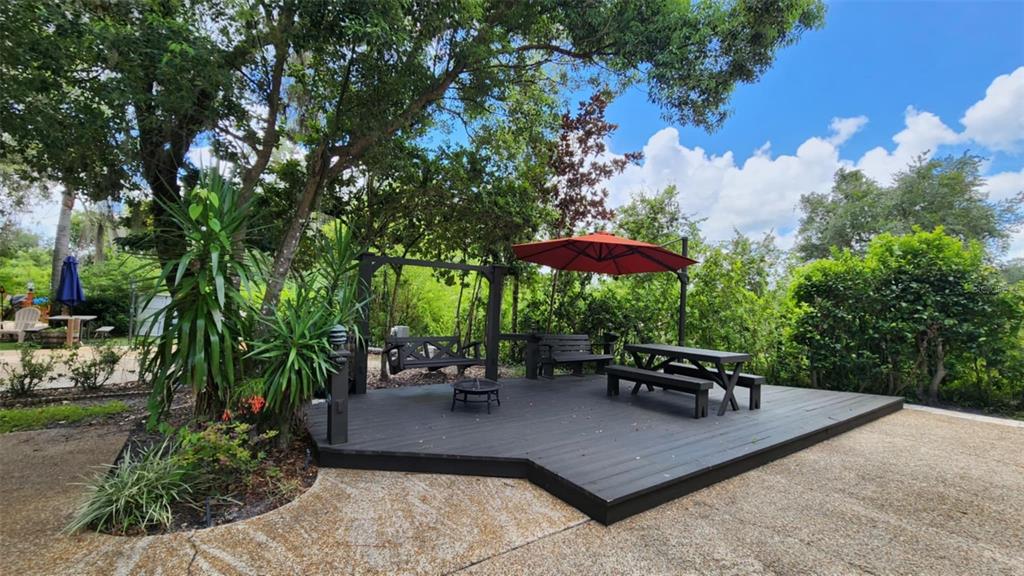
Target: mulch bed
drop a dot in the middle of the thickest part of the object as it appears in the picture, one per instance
(421, 377)
(283, 475)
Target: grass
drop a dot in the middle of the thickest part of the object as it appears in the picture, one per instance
(15, 419)
(115, 341)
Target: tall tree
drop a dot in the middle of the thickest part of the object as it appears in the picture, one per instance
(55, 110)
(342, 78)
(944, 192)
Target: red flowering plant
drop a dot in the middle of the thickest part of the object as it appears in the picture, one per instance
(248, 405)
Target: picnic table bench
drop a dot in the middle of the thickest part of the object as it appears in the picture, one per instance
(699, 387)
(430, 352)
(750, 381)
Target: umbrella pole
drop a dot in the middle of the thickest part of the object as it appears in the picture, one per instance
(684, 279)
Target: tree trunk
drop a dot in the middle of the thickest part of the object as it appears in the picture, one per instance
(472, 311)
(458, 309)
(99, 243)
(290, 243)
(939, 374)
(551, 301)
(62, 238)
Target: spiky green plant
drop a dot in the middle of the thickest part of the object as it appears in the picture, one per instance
(199, 346)
(135, 494)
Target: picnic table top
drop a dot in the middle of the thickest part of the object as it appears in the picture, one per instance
(700, 354)
(64, 317)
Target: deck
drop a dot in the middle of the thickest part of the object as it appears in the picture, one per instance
(610, 457)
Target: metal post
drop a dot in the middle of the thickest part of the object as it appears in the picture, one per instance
(684, 279)
(337, 394)
(493, 329)
(532, 355)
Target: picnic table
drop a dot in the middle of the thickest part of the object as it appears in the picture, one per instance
(656, 356)
(74, 325)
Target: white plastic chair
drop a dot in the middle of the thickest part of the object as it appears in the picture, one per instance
(25, 320)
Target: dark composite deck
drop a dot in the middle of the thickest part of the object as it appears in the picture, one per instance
(611, 457)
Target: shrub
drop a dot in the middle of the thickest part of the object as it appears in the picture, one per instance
(136, 493)
(93, 373)
(222, 456)
(23, 378)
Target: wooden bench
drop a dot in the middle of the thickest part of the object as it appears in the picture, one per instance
(102, 331)
(699, 387)
(430, 352)
(572, 349)
(751, 381)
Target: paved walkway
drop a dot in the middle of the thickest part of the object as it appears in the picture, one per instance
(913, 493)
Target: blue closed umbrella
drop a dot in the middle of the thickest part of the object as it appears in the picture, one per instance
(69, 291)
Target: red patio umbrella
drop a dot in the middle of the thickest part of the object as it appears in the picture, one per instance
(604, 253)
(610, 254)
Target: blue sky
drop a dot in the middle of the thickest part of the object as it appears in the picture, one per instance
(880, 84)
(871, 58)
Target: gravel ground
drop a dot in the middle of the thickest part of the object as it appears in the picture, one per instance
(913, 493)
(127, 368)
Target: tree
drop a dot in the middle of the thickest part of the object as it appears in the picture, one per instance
(341, 78)
(904, 314)
(944, 192)
(55, 110)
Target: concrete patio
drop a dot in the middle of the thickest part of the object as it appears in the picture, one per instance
(912, 493)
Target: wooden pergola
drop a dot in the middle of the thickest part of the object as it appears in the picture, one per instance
(370, 263)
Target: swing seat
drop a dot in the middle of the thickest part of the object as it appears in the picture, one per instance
(430, 352)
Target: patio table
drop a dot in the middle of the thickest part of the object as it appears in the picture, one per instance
(74, 325)
(657, 356)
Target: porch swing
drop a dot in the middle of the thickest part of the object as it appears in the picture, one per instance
(404, 352)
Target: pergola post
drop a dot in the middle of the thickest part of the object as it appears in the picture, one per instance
(493, 329)
(367, 265)
(684, 279)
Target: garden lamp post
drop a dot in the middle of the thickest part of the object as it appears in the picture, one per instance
(337, 394)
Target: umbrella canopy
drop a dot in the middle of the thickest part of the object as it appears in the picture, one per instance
(604, 253)
(69, 291)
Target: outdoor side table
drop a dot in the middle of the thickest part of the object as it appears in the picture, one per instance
(476, 387)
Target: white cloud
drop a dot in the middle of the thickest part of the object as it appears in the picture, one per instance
(1004, 185)
(997, 121)
(41, 216)
(204, 157)
(762, 192)
(844, 128)
(922, 134)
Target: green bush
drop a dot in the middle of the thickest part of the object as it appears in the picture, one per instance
(92, 373)
(23, 378)
(136, 494)
(107, 288)
(222, 456)
(15, 419)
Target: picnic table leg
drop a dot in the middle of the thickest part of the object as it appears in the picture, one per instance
(646, 365)
(729, 382)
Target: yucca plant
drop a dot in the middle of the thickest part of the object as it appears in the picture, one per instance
(200, 344)
(293, 353)
(135, 494)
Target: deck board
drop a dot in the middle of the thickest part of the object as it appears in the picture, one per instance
(610, 456)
